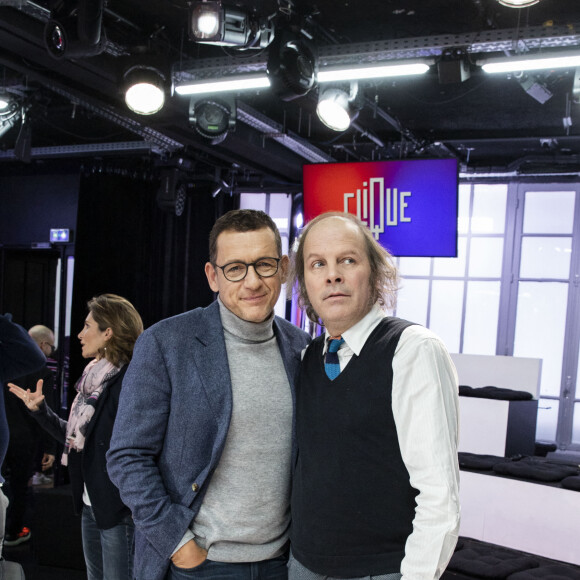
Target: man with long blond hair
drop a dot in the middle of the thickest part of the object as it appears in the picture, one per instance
(375, 485)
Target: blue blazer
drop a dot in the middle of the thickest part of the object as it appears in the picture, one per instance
(173, 418)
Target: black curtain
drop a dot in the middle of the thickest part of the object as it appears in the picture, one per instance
(127, 245)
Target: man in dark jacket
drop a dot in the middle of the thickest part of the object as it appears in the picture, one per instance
(375, 486)
(19, 355)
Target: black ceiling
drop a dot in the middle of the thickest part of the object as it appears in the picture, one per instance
(74, 108)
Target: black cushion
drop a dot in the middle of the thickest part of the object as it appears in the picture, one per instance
(536, 469)
(542, 449)
(491, 392)
(477, 461)
(489, 562)
(572, 482)
(548, 572)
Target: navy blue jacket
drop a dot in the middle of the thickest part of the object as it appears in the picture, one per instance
(19, 355)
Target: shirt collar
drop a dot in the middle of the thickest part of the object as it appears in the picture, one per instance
(356, 336)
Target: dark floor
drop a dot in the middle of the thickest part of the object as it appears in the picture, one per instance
(54, 550)
(24, 554)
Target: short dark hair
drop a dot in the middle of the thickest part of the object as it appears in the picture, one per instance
(118, 314)
(242, 220)
(384, 278)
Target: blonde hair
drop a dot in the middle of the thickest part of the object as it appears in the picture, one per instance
(384, 277)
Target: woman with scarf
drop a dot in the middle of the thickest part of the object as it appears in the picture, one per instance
(108, 337)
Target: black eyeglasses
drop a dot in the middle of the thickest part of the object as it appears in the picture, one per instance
(237, 271)
(52, 347)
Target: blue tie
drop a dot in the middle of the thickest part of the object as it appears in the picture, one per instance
(331, 363)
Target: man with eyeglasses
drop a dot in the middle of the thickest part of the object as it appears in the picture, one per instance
(201, 449)
(44, 338)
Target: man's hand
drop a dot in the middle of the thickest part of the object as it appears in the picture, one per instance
(47, 461)
(189, 555)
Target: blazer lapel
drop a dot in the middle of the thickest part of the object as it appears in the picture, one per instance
(212, 362)
(290, 356)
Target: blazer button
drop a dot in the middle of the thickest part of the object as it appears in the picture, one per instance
(195, 487)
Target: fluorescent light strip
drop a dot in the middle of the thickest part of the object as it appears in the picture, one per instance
(239, 83)
(515, 64)
(332, 74)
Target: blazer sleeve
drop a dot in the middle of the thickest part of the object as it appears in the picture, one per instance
(51, 422)
(138, 441)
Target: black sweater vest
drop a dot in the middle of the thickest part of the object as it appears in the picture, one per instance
(352, 503)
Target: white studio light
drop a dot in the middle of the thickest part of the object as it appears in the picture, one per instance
(518, 3)
(336, 73)
(238, 83)
(145, 98)
(4, 103)
(521, 63)
(208, 24)
(333, 109)
(144, 89)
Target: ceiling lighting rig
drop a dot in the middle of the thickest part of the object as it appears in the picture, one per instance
(212, 117)
(10, 112)
(210, 22)
(518, 3)
(144, 89)
(337, 108)
(292, 65)
(74, 29)
(531, 62)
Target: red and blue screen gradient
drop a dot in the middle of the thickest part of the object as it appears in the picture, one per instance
(409, 205)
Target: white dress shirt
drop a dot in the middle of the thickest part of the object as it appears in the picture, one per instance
(425, 408)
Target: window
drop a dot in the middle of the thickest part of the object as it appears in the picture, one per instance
(462, 295)
(512, 290)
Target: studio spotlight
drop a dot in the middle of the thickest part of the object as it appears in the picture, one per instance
(211, 22)
(5, 102)
(337, 108)
(172, 193)
(292, 66)
(213, 118)
(518, 3)
(144, 89)
(74, 29)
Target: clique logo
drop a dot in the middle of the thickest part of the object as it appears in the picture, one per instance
(391, 210)
(409, 205)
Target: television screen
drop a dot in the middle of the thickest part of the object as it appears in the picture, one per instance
(410, 205)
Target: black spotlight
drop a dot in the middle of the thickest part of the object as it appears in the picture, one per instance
(75, 29)
(292, 65)
(213, 117)
(172, 193)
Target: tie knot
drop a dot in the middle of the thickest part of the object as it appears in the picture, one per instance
(334, 343)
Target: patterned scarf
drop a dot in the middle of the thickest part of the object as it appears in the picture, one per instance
(90, 387)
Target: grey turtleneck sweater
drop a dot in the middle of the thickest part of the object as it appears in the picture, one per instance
(245, 513)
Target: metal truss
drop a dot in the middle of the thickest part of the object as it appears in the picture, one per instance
(501, 41)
